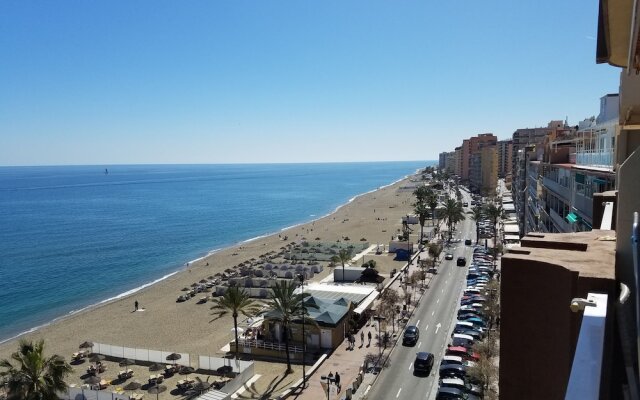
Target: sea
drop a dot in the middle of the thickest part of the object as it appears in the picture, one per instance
(72, 237)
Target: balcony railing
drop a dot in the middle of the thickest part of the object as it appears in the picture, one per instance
(260, 344)
(584, 382)
(595, 158)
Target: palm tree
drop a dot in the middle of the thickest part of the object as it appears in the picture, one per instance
(235, 301)
(286, 306)
(477, 217)
(343, 257)
(35, 377)
(435, 249)
(421, 193)
(453, 213)
(420, 208)
(432, 202)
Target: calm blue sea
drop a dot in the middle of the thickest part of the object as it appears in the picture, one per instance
(73, 236)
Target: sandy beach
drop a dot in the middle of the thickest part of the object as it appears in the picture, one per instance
(188, 327)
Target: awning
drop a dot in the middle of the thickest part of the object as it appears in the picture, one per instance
(614, 32)
(572, 218)
(364, 304)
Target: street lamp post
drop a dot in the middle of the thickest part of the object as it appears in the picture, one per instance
(304, 337)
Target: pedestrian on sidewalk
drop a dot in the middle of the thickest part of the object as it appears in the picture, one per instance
(338, 381)
(362, 337)
(369, 336)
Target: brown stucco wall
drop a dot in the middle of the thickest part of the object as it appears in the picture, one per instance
(538, 331)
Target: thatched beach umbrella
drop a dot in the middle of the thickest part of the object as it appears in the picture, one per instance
(173, 357)
(157, 389)
(194, 284)
(86, 345)
(133, 385)
(203, 281)
(185, 289)
(126, 362)
(94, 358)
(92, 380)
(156, 367)
(187, 370)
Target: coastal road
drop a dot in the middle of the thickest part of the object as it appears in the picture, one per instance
(434, 317)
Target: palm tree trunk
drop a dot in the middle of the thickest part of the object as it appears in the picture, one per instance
(286, 348)
(343, 271)
(421, 231)
(235, 330)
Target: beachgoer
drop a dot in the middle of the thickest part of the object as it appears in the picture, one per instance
(136, 305)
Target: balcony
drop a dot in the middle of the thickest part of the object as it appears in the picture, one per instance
(595, 158)
(559, 222)
(556, 188)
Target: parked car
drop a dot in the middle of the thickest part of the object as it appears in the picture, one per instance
(411, 335)
(463, 352)
(423, 363)
(461, 262)
(448, 256)
(467, 242)
(449, 393)
(463, 385)
(453, 370)
(449, 359)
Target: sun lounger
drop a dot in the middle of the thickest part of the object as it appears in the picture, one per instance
(137, 396)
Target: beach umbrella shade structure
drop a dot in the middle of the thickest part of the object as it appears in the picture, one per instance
(185, 289)
(93, 380)
(194, 284)
(187, 370)
(126, 362)
(157, 389)
(94, 358)
(174, 357)
(156, 367)
(131, 386)
(86, 345)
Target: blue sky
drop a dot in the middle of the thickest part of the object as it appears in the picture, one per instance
(108, 82)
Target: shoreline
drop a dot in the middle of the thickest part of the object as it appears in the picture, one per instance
(184, 267)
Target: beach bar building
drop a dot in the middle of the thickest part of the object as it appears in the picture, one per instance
(331, 307)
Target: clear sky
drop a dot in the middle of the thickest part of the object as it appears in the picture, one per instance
(150, 81)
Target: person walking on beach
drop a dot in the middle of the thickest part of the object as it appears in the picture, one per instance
(135, 304)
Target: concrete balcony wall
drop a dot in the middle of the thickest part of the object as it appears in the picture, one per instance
(584, 206)
(557, 189)
(559, 222)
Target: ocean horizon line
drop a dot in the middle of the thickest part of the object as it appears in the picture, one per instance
(213, 164)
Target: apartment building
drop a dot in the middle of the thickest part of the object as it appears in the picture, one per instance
(505, 157)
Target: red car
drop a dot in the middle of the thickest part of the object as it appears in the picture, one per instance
(463, 352)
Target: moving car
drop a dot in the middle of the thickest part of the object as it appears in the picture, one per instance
(467, 242)
(423, 363)
(448, 256)
(411, 335)
(461, 262)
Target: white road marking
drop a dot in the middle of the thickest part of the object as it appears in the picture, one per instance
(427, 328)
(411, 365)
(417, 323)
(438, 301)
(438, 326)
(445, 282)
(419, 345)
(399, 390)
(442, 291)
(433, 312)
